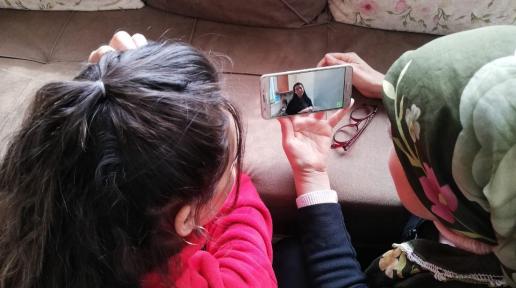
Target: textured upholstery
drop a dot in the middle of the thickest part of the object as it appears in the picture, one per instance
(265, 13)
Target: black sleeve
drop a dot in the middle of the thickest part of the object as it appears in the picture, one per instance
(330, 257)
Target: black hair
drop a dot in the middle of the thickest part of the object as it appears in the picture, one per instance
(91, 183)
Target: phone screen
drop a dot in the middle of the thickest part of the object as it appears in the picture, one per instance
(304, 91)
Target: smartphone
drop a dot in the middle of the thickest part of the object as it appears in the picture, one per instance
(305, 91)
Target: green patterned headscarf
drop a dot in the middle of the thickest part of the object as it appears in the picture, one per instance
(452, 107)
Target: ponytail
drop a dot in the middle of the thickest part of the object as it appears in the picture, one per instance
(59, 114)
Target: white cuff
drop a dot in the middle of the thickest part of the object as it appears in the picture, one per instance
(317, 197)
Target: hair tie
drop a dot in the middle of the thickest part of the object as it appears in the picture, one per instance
(101, 86)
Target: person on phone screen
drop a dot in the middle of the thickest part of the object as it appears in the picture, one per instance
(300, 102)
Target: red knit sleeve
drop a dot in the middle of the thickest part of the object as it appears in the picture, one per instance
(239, 250)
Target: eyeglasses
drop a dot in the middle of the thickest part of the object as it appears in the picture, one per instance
(359, 118)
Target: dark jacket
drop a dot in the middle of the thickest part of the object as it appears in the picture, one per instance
(329, 254)
(296, 104)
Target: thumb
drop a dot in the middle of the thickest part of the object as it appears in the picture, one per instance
(335, 118)
(287, 129)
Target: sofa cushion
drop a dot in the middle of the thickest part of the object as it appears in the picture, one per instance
(435, 17)
(30, 35)
(97, 28)
(258, 50)
(44, 36)
(269, 13)
(72, 5)
(35, 35)
(20, 80)
(379, 48)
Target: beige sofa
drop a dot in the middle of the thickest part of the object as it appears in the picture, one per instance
(37, 47)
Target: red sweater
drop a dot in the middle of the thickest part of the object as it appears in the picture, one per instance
(239, 250)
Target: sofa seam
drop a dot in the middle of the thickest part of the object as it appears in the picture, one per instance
(23, 59)
(240, 73)
(295, 11)
(192, 33)
(59, 36)
(18, 74)
(327, 37)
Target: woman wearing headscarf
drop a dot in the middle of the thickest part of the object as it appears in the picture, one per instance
(300, 103)
(452, 108)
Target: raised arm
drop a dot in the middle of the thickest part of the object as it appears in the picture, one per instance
(328, 251)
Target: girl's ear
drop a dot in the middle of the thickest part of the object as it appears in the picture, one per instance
(184, 222)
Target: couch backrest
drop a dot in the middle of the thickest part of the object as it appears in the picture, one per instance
(431, 16)
(266, 13)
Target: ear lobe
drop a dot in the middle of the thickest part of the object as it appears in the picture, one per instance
(184, 221)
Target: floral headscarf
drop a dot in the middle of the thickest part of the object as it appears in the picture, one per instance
(452, 107)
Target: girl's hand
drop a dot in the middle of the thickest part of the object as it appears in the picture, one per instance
(367, 80)
(306, 141)
(121, 41)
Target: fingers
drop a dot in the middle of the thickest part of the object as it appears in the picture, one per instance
(335, 118)
(318, 115)
(349, 57)
(139, 40)
(287, 129)
(97, 54)
(122, 41)
(329, 60)
(322, 62)
(311, 125)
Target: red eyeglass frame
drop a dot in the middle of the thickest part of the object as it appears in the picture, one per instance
(346, 145)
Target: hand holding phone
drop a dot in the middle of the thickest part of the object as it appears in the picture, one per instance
(306, 142)
(367, 80)
(305, 91)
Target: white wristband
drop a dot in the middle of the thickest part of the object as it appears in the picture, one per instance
(317, 197)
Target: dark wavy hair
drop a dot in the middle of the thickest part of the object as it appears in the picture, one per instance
(299, 84)
(91, 183)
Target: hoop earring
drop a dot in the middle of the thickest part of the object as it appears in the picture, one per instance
(200, 232)
(188, 242)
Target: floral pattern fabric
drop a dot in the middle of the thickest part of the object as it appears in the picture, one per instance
(76, 5)
(452, 113)
(434, 17)
(444, 202)
(441, 197)
(424, 263)
(395, 265)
